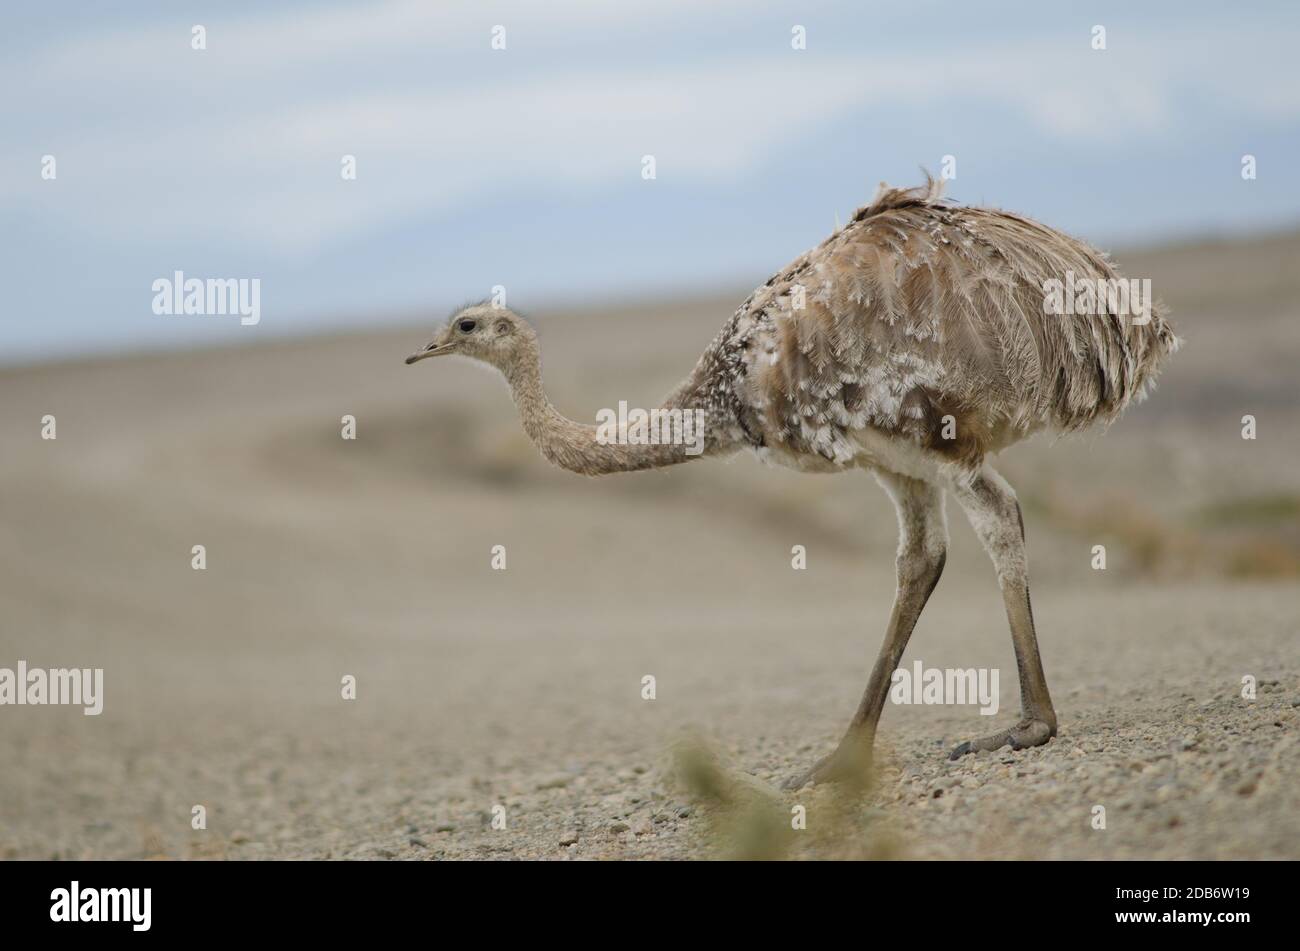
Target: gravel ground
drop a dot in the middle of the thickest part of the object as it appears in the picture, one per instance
(1182, 764)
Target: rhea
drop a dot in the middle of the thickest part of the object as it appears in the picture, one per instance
(916, 342)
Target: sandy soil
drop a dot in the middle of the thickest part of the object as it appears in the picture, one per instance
(521, 688)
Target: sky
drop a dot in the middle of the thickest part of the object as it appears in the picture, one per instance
(524, 168)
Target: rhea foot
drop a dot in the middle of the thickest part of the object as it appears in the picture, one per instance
(1028, 732)
(850, 763)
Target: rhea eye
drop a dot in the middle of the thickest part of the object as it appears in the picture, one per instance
(467, 326)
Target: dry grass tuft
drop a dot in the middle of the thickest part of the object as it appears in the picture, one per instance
(1245, 537)
(750, 820)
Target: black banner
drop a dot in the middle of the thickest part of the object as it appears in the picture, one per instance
(332, 899)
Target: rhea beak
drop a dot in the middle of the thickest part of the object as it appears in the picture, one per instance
(432, 350)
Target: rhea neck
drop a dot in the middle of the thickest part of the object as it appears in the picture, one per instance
(572, 445)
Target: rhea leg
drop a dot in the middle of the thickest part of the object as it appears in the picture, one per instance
(991, 506)
(922, 548)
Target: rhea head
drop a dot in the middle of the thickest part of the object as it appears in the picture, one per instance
(495, 335)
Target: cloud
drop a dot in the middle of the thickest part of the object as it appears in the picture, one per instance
(242, 143)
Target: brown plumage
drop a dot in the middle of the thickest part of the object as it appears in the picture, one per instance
(917, 310)
(914, 342)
